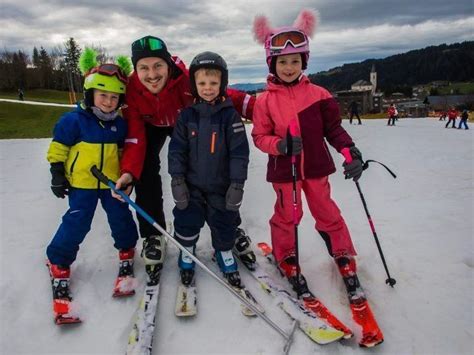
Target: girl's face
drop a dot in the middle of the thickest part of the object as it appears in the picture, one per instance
(153, 73)
(289, 67)
(106, 101)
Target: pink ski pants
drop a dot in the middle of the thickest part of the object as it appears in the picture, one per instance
(323, 209)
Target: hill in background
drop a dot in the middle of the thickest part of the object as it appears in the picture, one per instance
(453, 62)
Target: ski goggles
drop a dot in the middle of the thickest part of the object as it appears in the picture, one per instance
(110, 70)
(148, 43)
(281, 40)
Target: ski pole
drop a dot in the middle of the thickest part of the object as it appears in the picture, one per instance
(347, 155)
(292, 132)
(105, 180)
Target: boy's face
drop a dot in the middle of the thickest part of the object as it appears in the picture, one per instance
(153, 73)
(289, 67)
(207, 84)
(106, 101)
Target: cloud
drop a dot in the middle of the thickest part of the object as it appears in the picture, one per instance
(350, 31)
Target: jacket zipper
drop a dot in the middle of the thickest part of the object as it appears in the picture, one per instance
(213, 142)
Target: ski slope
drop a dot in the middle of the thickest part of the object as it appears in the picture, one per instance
(424, 220)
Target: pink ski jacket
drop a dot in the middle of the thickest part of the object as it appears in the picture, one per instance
(317, 115)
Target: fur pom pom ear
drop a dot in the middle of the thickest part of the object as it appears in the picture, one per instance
(87, 60)
(261, 28)
(125, 64)
(307, 21)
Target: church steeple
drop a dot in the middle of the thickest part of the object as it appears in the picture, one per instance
(373, 79)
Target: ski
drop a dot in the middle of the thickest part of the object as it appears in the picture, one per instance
(311, 302)
(361, 312)
(140, 339)
(245, 293)
(63, 309)
(317, 330)
(186, 300)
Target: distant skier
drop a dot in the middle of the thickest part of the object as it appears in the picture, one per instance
(452, 115)
(91, 134)
(207, 159)
(354, 110)
(464, 118)
(392, 111)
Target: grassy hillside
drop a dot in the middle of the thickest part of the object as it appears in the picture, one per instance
(28, 121)
(58, 97)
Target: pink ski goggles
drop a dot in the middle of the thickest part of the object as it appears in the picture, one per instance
(287, 40)
(281, 40)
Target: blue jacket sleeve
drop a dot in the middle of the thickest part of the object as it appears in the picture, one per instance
(238, 147)
(178, 149)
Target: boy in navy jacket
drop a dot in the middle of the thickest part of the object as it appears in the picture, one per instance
(207, 159)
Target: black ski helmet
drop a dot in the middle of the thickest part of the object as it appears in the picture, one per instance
(209, 60)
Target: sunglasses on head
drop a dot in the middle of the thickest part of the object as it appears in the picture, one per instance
(110, 70)
(281, 40)
(148, 43)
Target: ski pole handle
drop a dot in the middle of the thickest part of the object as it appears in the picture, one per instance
(293, 131)
(347, 155)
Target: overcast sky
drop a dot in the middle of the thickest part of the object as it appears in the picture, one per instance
(348, 31)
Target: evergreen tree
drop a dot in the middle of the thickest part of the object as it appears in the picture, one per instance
(72, 54)
(45, 69)
(36, 58)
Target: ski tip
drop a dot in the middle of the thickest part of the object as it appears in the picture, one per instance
(370, 343)
(264, 248)
(324, 336)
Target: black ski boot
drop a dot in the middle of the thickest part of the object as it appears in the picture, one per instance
(289, 269)
(242, 248)
(153, 252)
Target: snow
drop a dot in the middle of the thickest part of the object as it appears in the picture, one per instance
(424, 220)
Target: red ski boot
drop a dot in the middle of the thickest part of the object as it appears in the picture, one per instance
(125, 282)
(62, 298)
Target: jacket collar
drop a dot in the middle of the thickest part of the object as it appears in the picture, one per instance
(207, 109)
(275, 82)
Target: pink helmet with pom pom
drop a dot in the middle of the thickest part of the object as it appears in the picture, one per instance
(288, 39)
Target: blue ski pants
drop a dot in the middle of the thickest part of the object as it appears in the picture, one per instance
(77, 221)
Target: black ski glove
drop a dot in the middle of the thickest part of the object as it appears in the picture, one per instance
(59, 184)
(180, 192)
(354, 169)
(234, 196)
(290, 145)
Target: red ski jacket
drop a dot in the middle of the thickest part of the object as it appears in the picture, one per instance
(162, 110)
(452, 114)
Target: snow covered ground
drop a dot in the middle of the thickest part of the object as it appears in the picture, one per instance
(424, 220)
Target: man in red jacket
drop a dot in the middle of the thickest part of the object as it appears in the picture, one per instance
(158, 90)
(452, 115)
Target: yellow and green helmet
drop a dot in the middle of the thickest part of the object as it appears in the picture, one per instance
(107, 77)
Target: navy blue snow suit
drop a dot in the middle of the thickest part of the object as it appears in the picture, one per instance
(209, 148)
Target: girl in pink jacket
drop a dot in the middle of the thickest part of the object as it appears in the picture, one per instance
(291, 97)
